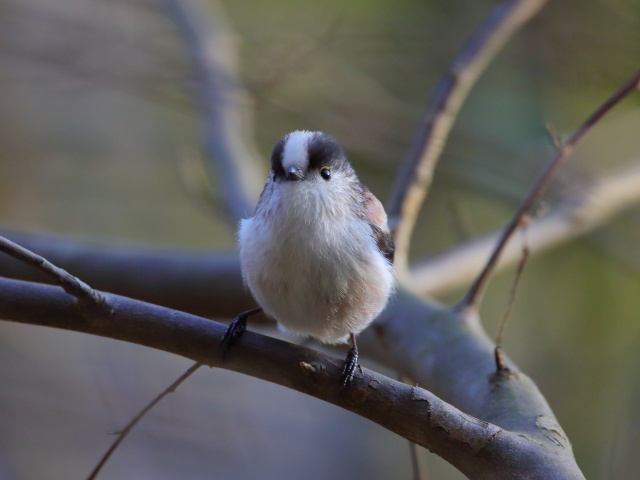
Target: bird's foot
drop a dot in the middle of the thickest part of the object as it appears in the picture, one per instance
(236, 329)
(349, 368)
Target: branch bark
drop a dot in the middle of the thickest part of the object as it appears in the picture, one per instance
(479, 449)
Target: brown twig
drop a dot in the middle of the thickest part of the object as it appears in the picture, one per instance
(124, 432)
(474, 293)
(70, 284)
(514, 287)
(415, 177)
(501, 366)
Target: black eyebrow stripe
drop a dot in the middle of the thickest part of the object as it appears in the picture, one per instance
(323, 150)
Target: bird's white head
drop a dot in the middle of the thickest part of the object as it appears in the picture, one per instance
(302, 155)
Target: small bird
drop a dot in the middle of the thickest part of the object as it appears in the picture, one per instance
(317, 253)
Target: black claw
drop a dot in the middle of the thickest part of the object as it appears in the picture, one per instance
(349, 368)
(233, 333)
(235, 330)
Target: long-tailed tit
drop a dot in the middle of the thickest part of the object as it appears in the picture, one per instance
(317, 253)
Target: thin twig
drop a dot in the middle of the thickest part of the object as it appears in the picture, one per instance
(572, 217)
(416, 174)
(415, 462)
(501, 366)
(514, 286)
(474, 294)
(225, 104)
(124, 432)
(70, 284)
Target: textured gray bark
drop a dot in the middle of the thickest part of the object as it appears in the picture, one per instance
(524, 440)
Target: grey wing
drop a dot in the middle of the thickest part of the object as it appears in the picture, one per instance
(377, 218)
(384, 240)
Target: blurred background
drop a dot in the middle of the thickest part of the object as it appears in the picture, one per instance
(96, 112)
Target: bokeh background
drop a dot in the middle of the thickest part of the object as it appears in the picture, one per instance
(97, 111)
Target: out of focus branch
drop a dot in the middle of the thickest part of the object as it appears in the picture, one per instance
(565, 150)
(226, 118)
(414, 179)
(571, 218)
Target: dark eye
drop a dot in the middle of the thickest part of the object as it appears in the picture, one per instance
(325, 172)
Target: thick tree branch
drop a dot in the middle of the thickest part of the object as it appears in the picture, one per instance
(437, 348)
(226, 124)
(423, 342)
(416, 174)
(479, 449)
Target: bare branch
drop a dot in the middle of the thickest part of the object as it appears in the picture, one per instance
(188, 281)
(70, 284)
(416, 174)
(571, 218)
(514, 286)
(226, 120)
(474, 294)
(478, 448)
(134, 421)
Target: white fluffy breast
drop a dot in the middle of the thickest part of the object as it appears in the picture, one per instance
(311, 263)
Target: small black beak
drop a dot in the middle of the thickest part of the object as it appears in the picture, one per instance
(294, 174)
